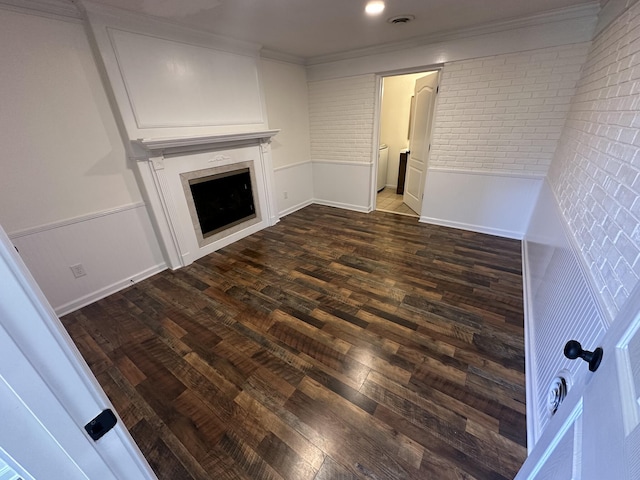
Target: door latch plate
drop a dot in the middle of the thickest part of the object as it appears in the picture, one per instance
(100, 425)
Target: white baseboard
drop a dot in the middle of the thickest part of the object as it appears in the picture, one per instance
(473, 228)
(108, 290)
(295, 208)
(346, 206)
(529, 357)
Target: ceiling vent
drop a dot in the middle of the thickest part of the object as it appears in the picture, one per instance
(401, 19)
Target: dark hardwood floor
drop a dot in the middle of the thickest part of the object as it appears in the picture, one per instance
(335, 345)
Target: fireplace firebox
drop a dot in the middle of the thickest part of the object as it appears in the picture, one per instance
(220, 199)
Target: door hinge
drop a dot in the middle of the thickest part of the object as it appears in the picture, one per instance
(438, 89)
(429, 147)
(100, 425)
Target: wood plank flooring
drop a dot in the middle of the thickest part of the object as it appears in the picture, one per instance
(334, 345)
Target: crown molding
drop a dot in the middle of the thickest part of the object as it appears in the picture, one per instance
(611, 11)
(589, 10)
(281, 56)
(58, 9)
(159, 26)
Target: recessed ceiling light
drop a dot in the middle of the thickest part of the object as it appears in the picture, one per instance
(374, 7)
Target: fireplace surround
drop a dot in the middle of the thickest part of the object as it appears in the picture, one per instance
(171, 163)
(221, 199)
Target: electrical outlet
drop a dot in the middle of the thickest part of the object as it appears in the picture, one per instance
(78, 270)
(286, 195)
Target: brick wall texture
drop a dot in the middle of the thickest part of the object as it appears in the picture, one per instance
(341, 116)
(596, 168)
(505, 113)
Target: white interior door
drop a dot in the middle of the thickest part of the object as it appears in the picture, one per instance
(48, 394)
(419, 143)
(596, 434)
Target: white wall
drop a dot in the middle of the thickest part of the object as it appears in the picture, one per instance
(115, 247)
(496, 204)
(67, 194)
(287, 100)
(596, 170)
(395, 110)
(62, 155)
(504, 113)
(341, 114)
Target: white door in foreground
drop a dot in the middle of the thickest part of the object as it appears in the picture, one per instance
(48, 393)
(595, 434)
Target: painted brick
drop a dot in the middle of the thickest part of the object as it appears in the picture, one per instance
(514, 106)
(341, 117)
(596, 167)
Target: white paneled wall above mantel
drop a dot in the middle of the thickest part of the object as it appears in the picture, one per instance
(171, 81)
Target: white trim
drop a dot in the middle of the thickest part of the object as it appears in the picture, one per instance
(295, 208)
(474, 228)
(70, 221)
(412, 215)
(281, 56)
(57, 10)
(489, 173)
(590, 9)
(108, 290)
(293, 165)
(562, 431)
(610, 12)
(10, 462)
(554, 34)
(529, 351)
(343, 162)
(156, 145)
(345, 206)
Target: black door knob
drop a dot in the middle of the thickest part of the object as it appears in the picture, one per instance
(573, 350)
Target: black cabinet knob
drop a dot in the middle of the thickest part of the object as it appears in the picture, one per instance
(573, 350)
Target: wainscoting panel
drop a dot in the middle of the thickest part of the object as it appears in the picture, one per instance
(294, 187)
(481, 202)
(342, 184)
(560, 305)
(115, 248)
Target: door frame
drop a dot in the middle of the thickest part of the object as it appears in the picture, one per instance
(373, 172)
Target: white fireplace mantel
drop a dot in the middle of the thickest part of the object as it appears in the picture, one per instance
(165, 158)
(159, 146)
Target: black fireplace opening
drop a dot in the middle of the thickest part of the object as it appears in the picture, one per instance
(223, 200)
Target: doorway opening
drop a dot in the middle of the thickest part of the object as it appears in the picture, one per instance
(404, 130)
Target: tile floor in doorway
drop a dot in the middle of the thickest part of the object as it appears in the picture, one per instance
(388, 201)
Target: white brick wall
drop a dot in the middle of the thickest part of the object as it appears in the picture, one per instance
(341, 114)
(505, 113)
(596, 169)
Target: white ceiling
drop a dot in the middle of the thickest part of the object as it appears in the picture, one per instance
(312, 28)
